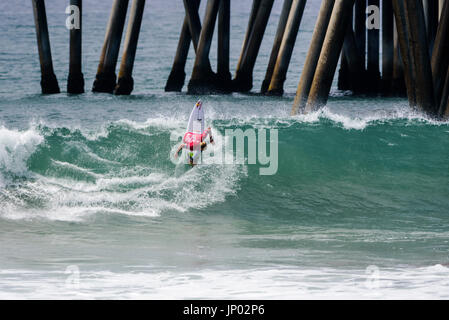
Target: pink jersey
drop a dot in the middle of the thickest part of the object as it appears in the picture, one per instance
(193, 140)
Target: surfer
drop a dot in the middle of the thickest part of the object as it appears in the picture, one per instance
(194, 149)
(194, 140)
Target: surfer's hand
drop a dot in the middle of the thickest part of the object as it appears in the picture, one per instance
(209, 130)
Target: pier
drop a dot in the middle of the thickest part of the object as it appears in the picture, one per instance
(380, 48)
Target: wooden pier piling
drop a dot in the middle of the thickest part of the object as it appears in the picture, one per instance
(327, 64)
(75, 80)
(373, 73)
(425, 95)
(177, 75)
(195, 27)
(398, 82)
(125, 83)
(224, 78)
(203, 80)
(440, 56)
(431, 14)
(243, 81)
(286, 50)
(194, 21)
(276, 44)
(360, 28)
(415, 54)
(313, 55)
(49, 83)
(344, 75)
(403, 40)
(344, 78)
(105, 80)
(249, 29)
(355, 67)
(387, 47)
(444, 103)
(415, 50)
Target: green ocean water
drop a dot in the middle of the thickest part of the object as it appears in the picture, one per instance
(92, 207)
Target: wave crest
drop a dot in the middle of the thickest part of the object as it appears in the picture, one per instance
(15, 149)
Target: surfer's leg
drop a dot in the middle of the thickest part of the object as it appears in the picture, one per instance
(196, 156)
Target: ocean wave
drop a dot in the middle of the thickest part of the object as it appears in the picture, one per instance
(405, 115)
(398, 115)
(262, 283)
(161, 122)
(125, 165)
(15, 148)
(72, 177)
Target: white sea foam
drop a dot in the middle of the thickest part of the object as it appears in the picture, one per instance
(161, 122)
(361, 122)
(94, 135)
(136, 192)
(74, 167)
(264, 283)
(267, 117)
(15, 148)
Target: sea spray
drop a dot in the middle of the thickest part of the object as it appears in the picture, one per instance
(15, 148)
(76, 176)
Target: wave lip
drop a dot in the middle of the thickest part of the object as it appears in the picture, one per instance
(363, 121)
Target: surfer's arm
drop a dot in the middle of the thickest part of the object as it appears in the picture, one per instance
(211, 139)
(179, 149)
(208, 132)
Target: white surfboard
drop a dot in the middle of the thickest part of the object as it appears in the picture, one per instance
(196, 120)
(195, 129)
